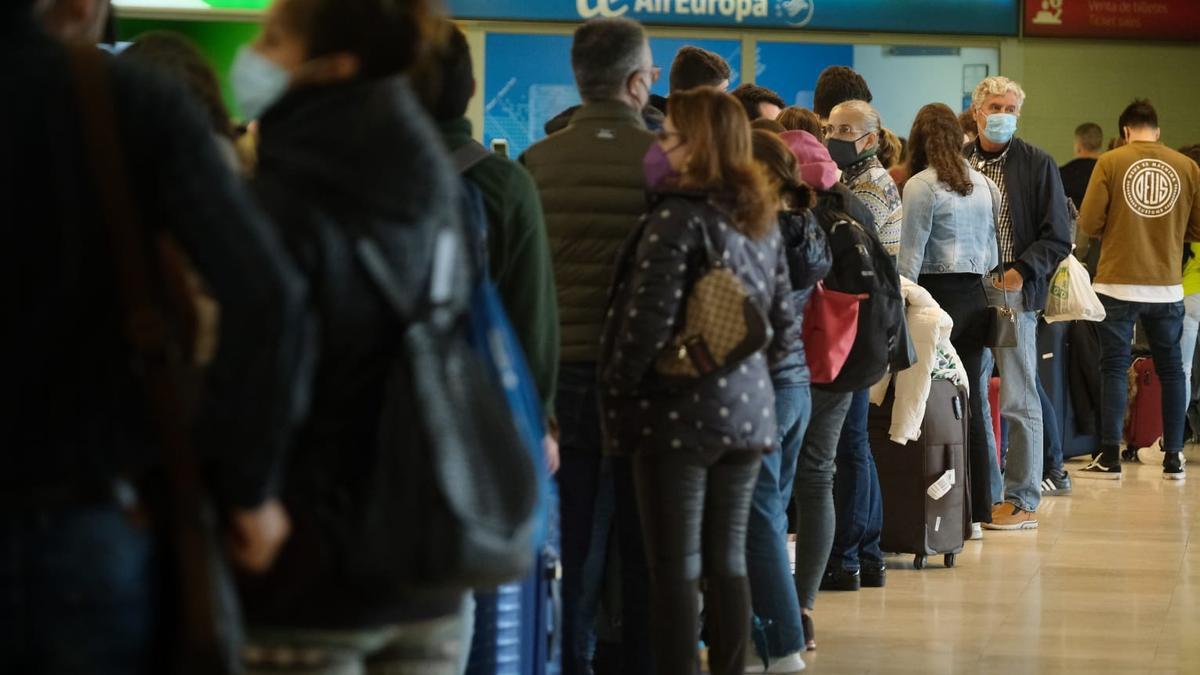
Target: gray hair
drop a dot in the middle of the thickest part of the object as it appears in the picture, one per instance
(997, 85)
(870, 116)
(605, 53)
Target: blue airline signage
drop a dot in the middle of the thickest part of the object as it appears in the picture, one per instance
(980, 17)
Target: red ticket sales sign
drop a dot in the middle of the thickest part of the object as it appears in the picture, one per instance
(1133, 19)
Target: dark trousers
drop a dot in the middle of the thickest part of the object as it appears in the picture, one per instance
(962, 297)
(77, 594)
(578, 477)
(637, 655)
(857, 499)
(1164, 328)
(694, 519)
(1052, 431)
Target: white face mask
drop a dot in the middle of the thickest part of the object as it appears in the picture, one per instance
(257, 82)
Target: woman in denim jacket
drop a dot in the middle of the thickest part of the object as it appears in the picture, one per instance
(948, 245)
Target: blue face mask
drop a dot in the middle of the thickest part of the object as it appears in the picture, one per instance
(257, 82)
(1000, 127)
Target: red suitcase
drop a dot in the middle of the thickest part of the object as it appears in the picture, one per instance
(1143, 418)
(994, 404)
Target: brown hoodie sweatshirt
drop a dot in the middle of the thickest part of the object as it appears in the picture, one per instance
(1143, 201)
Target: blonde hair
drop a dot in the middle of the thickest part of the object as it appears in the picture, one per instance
(997, 85)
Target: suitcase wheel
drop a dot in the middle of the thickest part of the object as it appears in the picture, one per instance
(950, 559)
(1130, 455)
(919, 562)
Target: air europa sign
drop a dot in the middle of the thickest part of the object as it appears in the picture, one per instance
(979, 17)
(799, 12)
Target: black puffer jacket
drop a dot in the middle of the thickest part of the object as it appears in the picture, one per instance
(809, 260)
(735, 411)
(334, 160)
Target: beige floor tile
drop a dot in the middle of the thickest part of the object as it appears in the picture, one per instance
(1109, 583)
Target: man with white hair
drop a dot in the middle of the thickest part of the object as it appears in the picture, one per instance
(1033, 235)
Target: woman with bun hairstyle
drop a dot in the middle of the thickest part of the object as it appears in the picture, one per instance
(696, 443)
(345, 151)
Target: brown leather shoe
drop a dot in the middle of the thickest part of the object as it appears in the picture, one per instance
(1009, 516)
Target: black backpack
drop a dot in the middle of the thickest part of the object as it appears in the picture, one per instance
(862, 266)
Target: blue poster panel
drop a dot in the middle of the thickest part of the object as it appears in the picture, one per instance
(528, 81)
(978, 17)
(791, 68)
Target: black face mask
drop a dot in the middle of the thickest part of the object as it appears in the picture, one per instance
(845, 153)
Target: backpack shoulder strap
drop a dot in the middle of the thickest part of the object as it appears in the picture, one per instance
(469, 155)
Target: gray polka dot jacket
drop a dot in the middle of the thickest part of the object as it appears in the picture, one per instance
(730, 410)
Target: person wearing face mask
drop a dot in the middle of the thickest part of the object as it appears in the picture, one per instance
(345, 151)
(593, 190)
(856, 142)
(855, 139)
(696, 444)
(1034, 235)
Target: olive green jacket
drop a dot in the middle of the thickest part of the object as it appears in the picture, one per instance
(593, 193)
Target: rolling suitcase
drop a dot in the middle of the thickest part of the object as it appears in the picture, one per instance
(1143, 419)
(926, 508)
(517, 625)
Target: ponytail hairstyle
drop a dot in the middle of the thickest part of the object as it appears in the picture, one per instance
(717, 131)
(936, 141)
(781, 169)
(890, 148)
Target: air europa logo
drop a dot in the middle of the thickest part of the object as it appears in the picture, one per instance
(589, 9)
(795, 12)
(1151, 188)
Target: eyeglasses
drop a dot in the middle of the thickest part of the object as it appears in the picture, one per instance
(841, 130)
(655, 72)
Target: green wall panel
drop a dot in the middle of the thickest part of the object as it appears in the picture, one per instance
(219, 40)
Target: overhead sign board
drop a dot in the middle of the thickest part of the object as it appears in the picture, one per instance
(989, 17)
(974, 17)
(1132, 19)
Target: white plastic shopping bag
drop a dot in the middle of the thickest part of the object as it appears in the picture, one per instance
(1071, 296)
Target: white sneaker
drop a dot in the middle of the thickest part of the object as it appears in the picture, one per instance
(976, 531)
(792, 663)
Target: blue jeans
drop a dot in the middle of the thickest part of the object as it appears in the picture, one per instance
(579, 482)
(996, 475)
(1052, 433)
(1164, 328)
(858, 501)
(814, 492)
(1020, 405)
(772, 589)
(77, 594)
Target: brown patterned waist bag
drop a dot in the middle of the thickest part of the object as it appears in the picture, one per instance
(723, 325)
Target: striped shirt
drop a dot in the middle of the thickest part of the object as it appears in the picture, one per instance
(994, 168)
(872, 183)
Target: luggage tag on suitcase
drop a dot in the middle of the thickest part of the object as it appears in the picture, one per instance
(941, 487)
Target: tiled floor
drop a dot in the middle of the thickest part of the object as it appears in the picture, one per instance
(1109, 583)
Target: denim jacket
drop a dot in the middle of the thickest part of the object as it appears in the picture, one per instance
(945, 232)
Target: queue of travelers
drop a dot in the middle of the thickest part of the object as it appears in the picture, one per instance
(720, 483)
